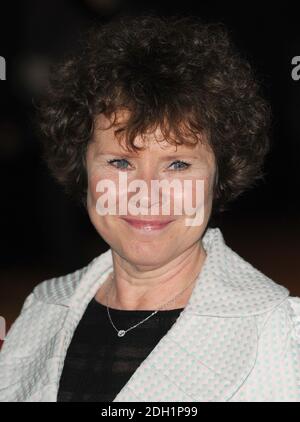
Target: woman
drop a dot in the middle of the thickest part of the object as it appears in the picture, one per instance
(169, 312)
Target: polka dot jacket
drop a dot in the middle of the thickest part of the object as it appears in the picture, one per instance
(237, 339)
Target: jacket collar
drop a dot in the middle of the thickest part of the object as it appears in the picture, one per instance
(228, 286)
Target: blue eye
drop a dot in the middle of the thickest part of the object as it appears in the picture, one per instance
(119, 163)
(180, 165)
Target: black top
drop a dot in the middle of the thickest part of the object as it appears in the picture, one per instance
(99, 363)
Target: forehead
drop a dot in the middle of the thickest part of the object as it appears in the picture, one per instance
(105, 138)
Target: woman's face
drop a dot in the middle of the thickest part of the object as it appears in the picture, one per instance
(148, 222)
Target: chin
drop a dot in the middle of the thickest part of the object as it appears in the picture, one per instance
(145, 254)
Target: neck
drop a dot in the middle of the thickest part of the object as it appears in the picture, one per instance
(140, 289)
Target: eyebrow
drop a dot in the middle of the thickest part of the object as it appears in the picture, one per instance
(179, 156)
(166, 158)
(117, 154)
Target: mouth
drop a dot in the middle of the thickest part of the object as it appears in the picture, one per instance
(147, 225)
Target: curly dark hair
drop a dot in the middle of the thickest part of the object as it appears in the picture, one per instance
(176, 72)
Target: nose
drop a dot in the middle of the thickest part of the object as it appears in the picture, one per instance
(149, 196)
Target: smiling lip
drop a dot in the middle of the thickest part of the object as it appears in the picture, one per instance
(147, 224)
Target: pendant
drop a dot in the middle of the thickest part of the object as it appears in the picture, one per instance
(121, 333)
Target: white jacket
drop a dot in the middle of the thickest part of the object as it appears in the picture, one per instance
(238, 338)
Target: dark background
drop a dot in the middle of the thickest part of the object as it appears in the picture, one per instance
(45, 234)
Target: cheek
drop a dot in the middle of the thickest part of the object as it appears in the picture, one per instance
(92, 186)
(196, 193)
(101, 223)
(92, 198)
(94, 178)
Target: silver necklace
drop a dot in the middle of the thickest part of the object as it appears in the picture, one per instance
(122, 333)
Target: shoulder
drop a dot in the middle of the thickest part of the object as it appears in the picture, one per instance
(61, 288)
(279, 337)
(275, 376)
(282, 321)
(287, 315)
(40, 313)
